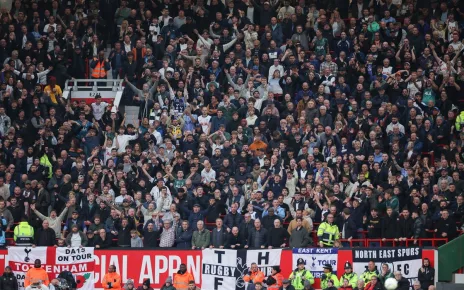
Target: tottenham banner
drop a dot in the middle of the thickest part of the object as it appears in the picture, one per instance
(79, 261)
(316, 258)
(408, 261)
(225, 269)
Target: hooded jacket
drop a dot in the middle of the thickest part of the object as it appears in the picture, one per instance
(8, 281)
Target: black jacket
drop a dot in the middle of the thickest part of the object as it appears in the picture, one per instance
(8, 282)
(234, 240)
(350, 228)
(104, 244)
(45, 238)
(277, 236)
(426, 277)
(447, 226)
(405, 227)
(390, 226)
(150, 239)
(403, 284)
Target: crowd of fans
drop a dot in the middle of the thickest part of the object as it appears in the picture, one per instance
(257, 120)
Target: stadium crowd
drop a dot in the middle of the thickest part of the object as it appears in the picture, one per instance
(262, 124)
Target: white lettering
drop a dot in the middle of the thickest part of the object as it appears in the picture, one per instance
(194, 264)
(161, 263)
(146, 270)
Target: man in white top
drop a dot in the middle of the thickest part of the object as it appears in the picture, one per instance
(156, 190)
(120, 199)
(98, 108)
(393, 123)
(207, 174)
(276, 66)
(51, 22)
(123, 139)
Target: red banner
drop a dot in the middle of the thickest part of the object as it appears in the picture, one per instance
(159, 264)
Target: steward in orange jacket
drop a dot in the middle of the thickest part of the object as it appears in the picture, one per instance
(36, 274)
(182, 278)
(255, 275)
(274, 281)
(112, 280)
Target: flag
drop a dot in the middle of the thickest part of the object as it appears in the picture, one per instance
(315, 259)
(79, 261)
(225, 269)
(408, 261)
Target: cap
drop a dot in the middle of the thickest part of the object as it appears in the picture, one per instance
(327, 266)
(75, 212)
(77, 47)
(266, 3)
(169, 280)
(286, 281)
(196, 205)
(300, 261)
(348, 265)
(28, 182)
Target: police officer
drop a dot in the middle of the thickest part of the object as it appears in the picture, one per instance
(327, 276)
(300, 275)
(370, 272)
(328, 233)
(349, 275)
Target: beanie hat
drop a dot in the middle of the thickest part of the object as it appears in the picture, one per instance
(169, 280)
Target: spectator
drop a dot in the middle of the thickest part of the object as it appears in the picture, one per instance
(233, 218)
(426, 275)
(91, 239)
(200, 237)
(403, 283)
(168, 284)
(8, 279)
(135, 241)
(184, 236)
(45, 236)
(102, 241)
(167, 234)
(124, 233)
(446, 227)
(219, 237)
(76, 238)
(257, 237)
(278, 237)
(299, 238)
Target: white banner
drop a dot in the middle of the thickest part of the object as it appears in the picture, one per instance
(79, 261)
(225, 269)
(316, 258)
(406, 260)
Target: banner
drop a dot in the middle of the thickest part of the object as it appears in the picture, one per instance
(316, 258)
(139, 264)
(79, 261)
(406, 260)
(225, 269)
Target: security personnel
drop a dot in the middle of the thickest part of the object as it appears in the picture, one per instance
(274, 281)
(112, 280)
(300, 275)
(255, 275)
(328, 275)
(24, 234)
(37, 273)
(370, 272)
(351, 276)
(328, 233)
(459, 121)
(100, 66)
(182, 278)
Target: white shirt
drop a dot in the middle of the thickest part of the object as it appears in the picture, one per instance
(123, 140)
(99, 110)
(156, 192)
(76, 240)
(208, 176)
(47, 26)
(204, 122)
